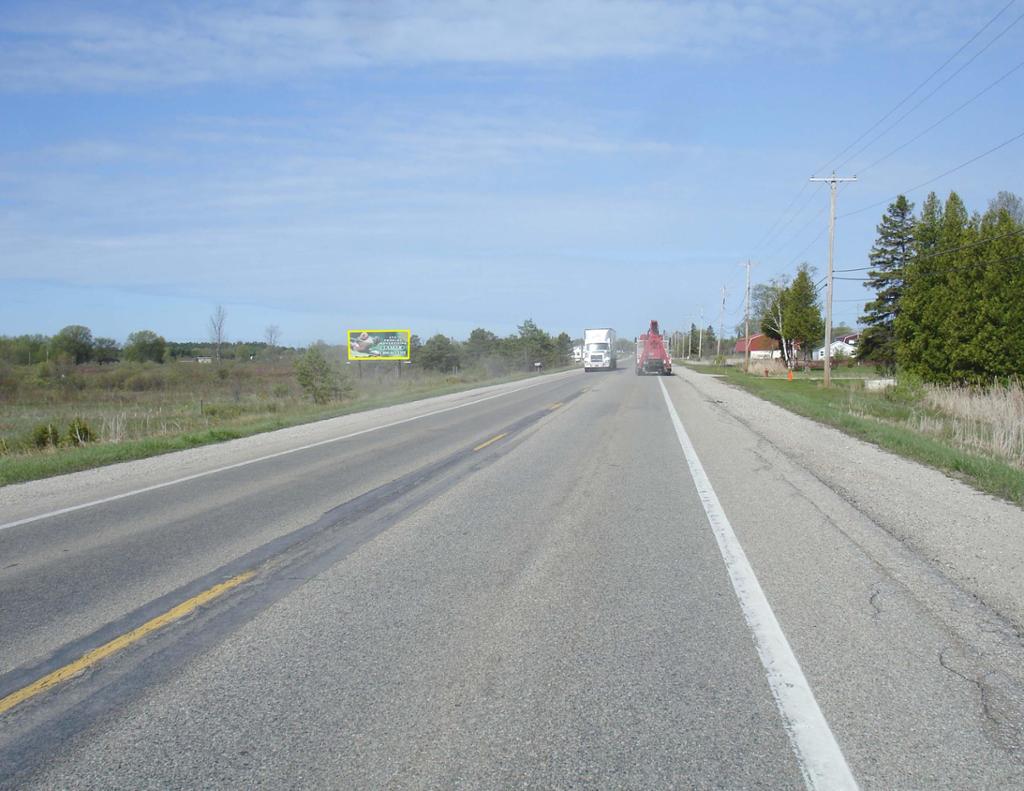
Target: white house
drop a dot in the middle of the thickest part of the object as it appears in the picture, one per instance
(844, 346)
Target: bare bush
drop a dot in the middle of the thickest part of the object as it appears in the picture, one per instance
(988, 419)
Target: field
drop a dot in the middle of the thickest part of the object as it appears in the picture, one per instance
(57, 419)
(976, 434)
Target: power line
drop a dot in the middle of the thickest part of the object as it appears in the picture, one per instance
(799, 255)
(962, 165)
(944, 118)
(935, 90)
(792, 217)
(946, 251)
(768, 233)
(798, 234)
(928, 79)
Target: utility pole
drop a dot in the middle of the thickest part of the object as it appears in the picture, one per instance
(721, 319)
(746, 324)
(833, 182)
(700, 337)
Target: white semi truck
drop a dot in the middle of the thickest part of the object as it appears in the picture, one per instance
(599, 350)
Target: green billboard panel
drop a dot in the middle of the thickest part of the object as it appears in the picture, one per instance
(378, 344)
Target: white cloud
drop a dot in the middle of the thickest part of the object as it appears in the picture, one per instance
(76, 48)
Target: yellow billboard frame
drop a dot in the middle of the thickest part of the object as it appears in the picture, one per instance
(370, 333)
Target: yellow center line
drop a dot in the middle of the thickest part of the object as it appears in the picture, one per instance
(483, 445)
(115, 645)
(554, 406)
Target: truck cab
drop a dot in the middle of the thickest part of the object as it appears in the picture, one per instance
(599, 350)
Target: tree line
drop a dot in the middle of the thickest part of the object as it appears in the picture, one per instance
(484, 349)
(949, 291)
(75, 344)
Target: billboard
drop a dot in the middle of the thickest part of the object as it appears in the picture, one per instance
(378, 344)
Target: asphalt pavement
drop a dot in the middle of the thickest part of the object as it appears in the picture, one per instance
(523, 591)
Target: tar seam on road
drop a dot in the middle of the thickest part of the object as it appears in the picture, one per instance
(483, 445)
(112, 647)
(269, 456)
(817, 752)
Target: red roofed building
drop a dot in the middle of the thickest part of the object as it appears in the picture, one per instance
(761, 347)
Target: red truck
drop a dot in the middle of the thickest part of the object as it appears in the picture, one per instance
(651, 355)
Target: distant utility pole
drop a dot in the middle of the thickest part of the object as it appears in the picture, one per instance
(833, 182)
(746, 324)
(721, 319)
(700, 337)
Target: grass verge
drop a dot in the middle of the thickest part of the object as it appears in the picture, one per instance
(18, 468)
(886, 419)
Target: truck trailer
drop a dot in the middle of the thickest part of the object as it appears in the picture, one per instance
(651, 355)
(599, 350)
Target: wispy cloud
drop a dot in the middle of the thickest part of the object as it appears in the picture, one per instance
(150, 45)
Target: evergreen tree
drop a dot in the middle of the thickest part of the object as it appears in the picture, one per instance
(481, 343)
(439, 353)
(963, 319)
(889, 258)
(997, 346)
(914, 335)
(801, 311)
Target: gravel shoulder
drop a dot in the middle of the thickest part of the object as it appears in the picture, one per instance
(973, 539)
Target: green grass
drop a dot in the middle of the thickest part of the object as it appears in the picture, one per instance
(232, 424)
(886, 419)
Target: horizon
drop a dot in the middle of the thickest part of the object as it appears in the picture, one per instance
(441, 166)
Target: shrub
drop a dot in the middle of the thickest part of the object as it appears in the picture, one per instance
(79, 432)
(318, 379)
(46, 435)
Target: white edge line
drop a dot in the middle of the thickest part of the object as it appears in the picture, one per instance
(817, 752)
(176, 481)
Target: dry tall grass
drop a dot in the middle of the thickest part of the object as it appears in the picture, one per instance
(988, 419)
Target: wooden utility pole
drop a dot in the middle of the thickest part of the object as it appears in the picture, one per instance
(700, 338)
(721, 319)
(833, 182)
(746, 324)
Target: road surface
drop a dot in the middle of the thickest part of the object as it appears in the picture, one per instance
(581, 581)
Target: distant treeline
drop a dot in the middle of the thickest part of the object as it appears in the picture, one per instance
(76, 345)
(484, 349)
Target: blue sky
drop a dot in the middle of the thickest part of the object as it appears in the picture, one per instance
(448, 165)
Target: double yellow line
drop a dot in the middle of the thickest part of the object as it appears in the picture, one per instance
(118, 643)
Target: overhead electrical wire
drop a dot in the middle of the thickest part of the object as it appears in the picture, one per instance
(944, 118)
(935, 90)
(962, 165)
(767, 234)
(920, 85)
(945, 251)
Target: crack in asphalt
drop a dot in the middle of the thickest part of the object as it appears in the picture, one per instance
(873, 601)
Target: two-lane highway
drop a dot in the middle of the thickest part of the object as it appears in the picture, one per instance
(591, 582)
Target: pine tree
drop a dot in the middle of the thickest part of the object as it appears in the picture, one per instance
(954, 297)
(889, 258)
(914, 334)
(964, 318)
(802, 313)
(998, 344)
